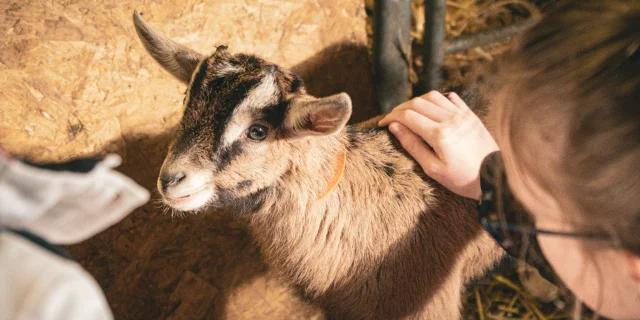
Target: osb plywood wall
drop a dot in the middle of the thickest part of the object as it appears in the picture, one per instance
(74, 81)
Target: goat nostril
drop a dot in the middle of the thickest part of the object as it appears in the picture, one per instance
(172, 179)
(179, 177)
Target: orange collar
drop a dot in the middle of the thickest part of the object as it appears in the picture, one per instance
(337, 174)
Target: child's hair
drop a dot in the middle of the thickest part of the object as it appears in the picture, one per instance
(567, 108)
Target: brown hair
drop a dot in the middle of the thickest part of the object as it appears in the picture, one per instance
(572, 85)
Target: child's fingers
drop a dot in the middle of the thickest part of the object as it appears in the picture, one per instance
(441, 101)
(457, 101)
(422, 107)
(426, 109)
(411, 119)
(416, 147)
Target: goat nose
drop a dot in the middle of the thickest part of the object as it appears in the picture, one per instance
(168, 180)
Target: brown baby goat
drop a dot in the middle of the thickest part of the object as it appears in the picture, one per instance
(342, 213)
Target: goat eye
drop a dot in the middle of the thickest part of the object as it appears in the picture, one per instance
(257, 132)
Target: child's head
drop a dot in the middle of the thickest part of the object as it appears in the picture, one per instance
(567, 118)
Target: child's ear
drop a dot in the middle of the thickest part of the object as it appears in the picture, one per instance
(309, 116)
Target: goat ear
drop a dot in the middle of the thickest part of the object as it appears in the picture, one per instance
(179, 60)
(312, 116)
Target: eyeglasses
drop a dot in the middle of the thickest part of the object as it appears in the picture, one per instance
(505, 219)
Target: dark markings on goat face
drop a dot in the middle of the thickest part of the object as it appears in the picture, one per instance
(244, 184)
(228, 199)
(189, 129)
(213, 98)
(289, 83)
(227, 154)
(256, 199)
(195, 88)
(228, 100)
(275, 114)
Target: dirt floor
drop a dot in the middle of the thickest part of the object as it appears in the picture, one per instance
(74, 81)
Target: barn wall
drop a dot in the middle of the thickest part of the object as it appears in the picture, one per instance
(74, 81)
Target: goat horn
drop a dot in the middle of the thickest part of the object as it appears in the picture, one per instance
(179, 60)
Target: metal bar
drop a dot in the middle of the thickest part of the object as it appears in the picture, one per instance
(433, 43)
(391, 51)
(486, 37)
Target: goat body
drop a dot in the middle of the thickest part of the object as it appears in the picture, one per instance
(386, 243)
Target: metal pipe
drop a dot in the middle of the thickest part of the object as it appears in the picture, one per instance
(486, 37)
(433, 43)
(391, 51)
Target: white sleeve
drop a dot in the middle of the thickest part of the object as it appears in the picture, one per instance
(37, 284)
(69, 296)
(66, 207)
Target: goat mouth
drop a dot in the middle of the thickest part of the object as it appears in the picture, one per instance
(180, 198)
(190, 201)
(183, 198)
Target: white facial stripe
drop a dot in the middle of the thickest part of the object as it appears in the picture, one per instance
(225, 69)
(237, 125)
(264, 94)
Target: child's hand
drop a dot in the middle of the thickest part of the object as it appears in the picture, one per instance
(459, 140)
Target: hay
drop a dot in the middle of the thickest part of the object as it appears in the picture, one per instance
(469, 17)
(503, 296)
(463, 17)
